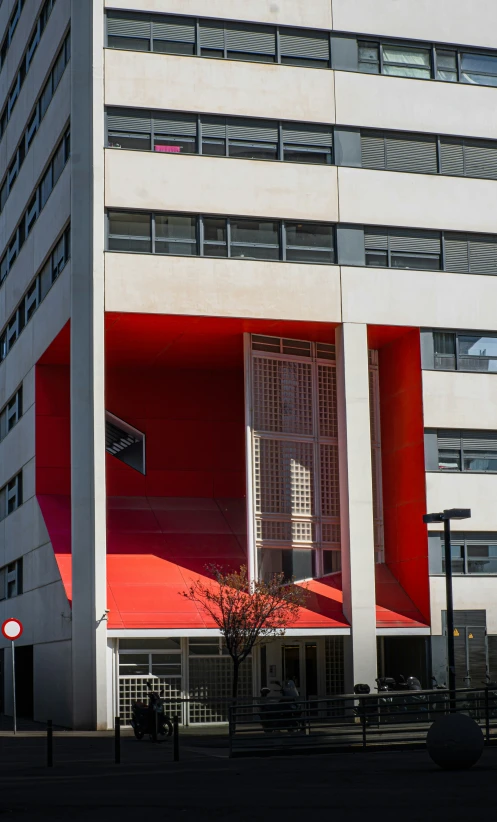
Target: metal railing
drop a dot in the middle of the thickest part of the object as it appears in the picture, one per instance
(352, 721)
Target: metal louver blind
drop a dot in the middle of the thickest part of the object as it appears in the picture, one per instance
(140, 123)
(373, 150)
(463, 618)
(456, 253)
(483, 255)
(480, 159)
(449, 439)
(252, 130)
(250, 39)
(376, 238)
(177, 29)
(184, 124)
(211, 35)
(477, 655)
(295, 43)
(415, 154)
(310, 135)
(452, 157)
(128, 26)
(214, 127)
(479, 440)
(460, 659)
(492, 657)
(420, 241)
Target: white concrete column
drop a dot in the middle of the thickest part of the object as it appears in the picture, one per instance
(89, 626)
(356, 503)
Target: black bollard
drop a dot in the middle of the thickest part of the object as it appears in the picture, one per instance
(117, 740)
(49, 744)
(175, 738)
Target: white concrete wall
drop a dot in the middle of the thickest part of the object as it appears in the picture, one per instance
(220, 185)
(165, 81)
(445, 21)
(312, 13)
(417, 200)
(464, 490)
(459, 400)
(432, 299)
(155, 284)
(470, 592)
(374, 101)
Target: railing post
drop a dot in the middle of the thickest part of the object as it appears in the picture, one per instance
(487, 716)
(117, 740)
(49, 744)
(175, 738)
(363, 721)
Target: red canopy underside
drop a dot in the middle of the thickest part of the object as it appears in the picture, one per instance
(156, 546)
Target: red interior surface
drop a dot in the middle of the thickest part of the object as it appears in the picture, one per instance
(403, 466)
(180, 381)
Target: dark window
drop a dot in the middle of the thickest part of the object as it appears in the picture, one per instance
(175, 133)
(175, 234)
(255, 239)
(403, 248)
(250, 42)
(369, 57)
(173, 35)
(126, 30)
(467, 451)
(215, 237)
(472, 553)
(309, 242)
(447, 65)
(444, 343)
(129, 231)
(479, 69)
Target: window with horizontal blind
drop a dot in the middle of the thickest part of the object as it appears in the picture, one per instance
(214, 236)
(244, 138)
(11, 413)
(472, 552)
(220, 39)
(399, 152)
(402, 248)
(465, 351)
(470, 253)
(467, 450)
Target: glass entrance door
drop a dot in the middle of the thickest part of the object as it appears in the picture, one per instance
(300, 663)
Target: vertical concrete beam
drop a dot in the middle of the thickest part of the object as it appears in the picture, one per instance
(89, 628)
(356, 502)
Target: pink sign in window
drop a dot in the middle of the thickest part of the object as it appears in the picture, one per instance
(169, 149)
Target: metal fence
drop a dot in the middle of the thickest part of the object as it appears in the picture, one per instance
(351, 721)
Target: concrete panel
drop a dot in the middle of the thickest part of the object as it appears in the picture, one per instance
(374, 101)
(28, 390)
(221, 288)
(53, 682)
(40, 568)
(18, 447)
(471, 593)
(382, 296)
(164, 81)
(465, 490)
(19, 531)
(222, 185)
(445, 21)
(41, 613)
(315, 14)
(450, 400)
(35, 78)
(417, 200)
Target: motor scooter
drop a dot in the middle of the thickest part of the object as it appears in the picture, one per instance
(151, 719)
(283, 714)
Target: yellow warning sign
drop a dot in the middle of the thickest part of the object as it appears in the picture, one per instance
(470, 636)
(456, 632)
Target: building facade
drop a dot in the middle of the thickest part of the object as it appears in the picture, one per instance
(246, 317)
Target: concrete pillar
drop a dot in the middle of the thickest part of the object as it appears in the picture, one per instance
(356, 503)
(89, 626)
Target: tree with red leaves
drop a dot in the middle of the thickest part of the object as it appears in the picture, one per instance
(247, 611)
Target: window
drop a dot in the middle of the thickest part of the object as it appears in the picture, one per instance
(472, 553)
(309, 243)
(467, 451)
(179, 133)
(11, 580)
(465, 351)
(215, 237)
(11, 496)
(399, 152)
(446, 65)
(479, 69)
(219, 39)
(129, 231)
(403, 248)
(11, 414)
(470, 253)
(175, 234)
(255, 239)
(402, 61)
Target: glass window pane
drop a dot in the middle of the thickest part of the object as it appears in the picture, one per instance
(409, 56)
(203, 647)
(449, 460)
(299, 154)
(332, 562)
(255, 252)
(479, 79)
(170, 47)
(369, 57)
(255, 231)
(133, 665)
(480, 462)
(129, 141)
(175, 145)
(407, 71)
(309, 234)
(457, 556)
(425, 263)
(129, 231)
(444, 343)
(482, 559)
(446, 60)
(175, 234)
(377, 258)
(134, 43)
(215, 237)
(214, 147)
(149, 644)
(480, 63)
(253, 151)
(477, 353)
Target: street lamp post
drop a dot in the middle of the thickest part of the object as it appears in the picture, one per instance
(445, 517)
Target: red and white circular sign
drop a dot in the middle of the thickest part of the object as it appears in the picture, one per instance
(12, 629)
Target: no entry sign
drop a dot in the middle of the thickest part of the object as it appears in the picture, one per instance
(12, 629)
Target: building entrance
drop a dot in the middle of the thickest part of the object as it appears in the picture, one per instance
(300, 663)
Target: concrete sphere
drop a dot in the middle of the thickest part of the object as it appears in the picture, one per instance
(455, 742)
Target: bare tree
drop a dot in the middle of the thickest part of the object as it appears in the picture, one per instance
(246, 612)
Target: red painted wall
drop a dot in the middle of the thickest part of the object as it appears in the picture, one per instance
(193, 420)
(53, 432)
(404, 491)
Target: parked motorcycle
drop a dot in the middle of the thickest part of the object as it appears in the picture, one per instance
(283, 714)
(151, 719)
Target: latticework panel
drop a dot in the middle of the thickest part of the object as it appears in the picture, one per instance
(330, 533)
(134, 689)
(211, 679)
(282, 396)
(330, 483)
(335, 681)
(281, 531)
(327, 401)
(284, 476)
